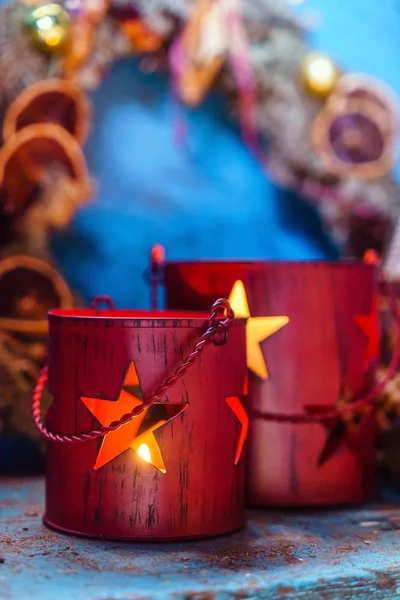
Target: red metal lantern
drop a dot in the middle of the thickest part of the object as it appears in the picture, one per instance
(389, 411)
(175, 470)
(312, 343)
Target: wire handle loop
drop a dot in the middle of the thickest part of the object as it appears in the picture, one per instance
(220, 319)
(98, 300)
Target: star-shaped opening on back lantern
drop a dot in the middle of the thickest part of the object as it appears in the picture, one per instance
(347, 429)
(257, 329)
(370, 326)
(137, 434)
(236, 406)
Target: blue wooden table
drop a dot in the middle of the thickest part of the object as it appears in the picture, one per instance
(321, 555)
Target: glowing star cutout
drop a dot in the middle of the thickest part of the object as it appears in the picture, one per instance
(137, 434)
(370, 326)
(257, 329)
(144, 452)
(240, 413)
(148, 449)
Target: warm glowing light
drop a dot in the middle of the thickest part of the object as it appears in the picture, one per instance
(240, 413)
(147, 447)
(322, 69)
(45, 23)
(137, 434)
(144, 452)
(257, 329)
(54, 37)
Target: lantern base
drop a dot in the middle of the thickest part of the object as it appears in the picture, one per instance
(148, 539)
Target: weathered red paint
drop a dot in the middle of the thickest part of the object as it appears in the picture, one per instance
(309, 360)
(202, 491)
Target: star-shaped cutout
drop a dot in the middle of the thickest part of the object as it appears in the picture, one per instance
(239, 411)
(137, 434)
(370, 326)
(347, 429)
(257, 329)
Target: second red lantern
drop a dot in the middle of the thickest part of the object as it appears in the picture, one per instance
(312, 344)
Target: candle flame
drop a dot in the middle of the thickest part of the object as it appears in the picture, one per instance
(144, 452)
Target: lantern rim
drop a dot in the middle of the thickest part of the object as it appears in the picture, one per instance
(137, 318)
(339, 263)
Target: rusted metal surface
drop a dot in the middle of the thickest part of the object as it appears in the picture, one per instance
(321, 555)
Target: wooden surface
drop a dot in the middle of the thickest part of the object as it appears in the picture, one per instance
(337, 555)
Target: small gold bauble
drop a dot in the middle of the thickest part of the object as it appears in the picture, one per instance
(319, 75)
(49, 28)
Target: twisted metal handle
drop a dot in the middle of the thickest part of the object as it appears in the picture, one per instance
(220, 319)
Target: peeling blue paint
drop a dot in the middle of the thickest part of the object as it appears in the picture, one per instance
(337, 555)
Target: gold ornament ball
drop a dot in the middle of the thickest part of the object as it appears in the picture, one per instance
(319, 75)
(49, 28)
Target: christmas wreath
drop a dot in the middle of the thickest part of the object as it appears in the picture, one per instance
(328, 134)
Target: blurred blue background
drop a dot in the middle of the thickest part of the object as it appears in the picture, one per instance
(209, 199)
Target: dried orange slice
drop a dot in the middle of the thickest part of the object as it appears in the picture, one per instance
(30, 154)
(57, 101)
(31, 287)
